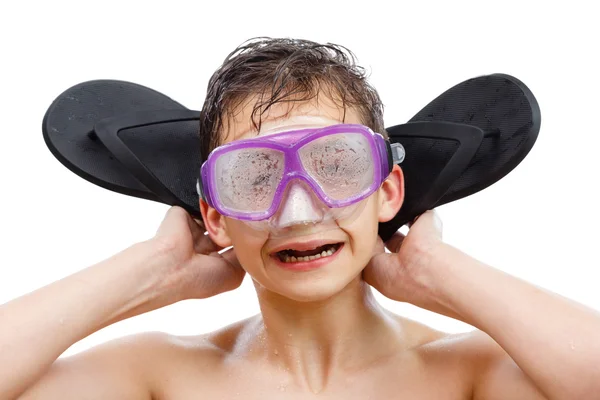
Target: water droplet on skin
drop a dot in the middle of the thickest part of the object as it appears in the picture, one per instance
(276, 352)
(282, 388)
(289, 335)
(572, 345)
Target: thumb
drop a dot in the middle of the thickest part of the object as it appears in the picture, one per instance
(429, 224)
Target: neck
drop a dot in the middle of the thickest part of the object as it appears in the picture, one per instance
(314, 339)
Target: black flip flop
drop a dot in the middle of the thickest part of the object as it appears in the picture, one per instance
(465, 140)
(133, 140)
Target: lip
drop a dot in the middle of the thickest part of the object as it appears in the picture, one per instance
(302, 246)
(307, 265)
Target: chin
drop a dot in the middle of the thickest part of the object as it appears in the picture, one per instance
(310, 294)
(316, 288)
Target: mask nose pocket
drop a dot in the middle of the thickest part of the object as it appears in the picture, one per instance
(299, 205)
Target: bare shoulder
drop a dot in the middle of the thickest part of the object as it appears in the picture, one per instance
(474, 356)
(117, 369)
(468, 350)
(150, 365)
(442, 351)
(165, 347)
(171, 363)
(492, 373)
(475, 347)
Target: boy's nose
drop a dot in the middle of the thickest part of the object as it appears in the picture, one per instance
(299, 205)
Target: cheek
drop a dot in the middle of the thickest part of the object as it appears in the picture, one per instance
(367, 218)
(363, 230)
(248, 243)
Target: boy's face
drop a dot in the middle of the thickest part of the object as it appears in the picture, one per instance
(355, 237)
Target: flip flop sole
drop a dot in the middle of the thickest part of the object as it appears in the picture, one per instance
(68, 129)
(507, 114)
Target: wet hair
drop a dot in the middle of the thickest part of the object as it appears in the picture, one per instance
(283, 70)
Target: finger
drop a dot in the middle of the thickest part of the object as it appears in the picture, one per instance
(203, 244)
(218, 276)
(395, 242)
(411, 223)
(378, 272)
(206, 246)
(197, 229)
(430, 224)
(171, 222)
(200, 224)
(231, 257)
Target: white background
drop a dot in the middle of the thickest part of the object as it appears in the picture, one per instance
(539, 223)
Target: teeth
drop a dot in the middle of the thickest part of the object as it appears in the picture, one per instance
(325, 253)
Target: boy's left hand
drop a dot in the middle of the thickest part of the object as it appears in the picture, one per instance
(408, 273)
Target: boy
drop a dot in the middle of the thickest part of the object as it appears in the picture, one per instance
(320, 332)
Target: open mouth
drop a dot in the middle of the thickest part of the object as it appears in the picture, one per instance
(294, 256)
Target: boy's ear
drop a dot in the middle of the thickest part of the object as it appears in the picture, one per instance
(391, 195)
(215, 225)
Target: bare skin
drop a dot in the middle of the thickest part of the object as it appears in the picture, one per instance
(320, 334)
(239, 361)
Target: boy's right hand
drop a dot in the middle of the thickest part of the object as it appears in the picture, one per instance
(196, 270)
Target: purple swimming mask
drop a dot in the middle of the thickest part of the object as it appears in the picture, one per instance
(300, 177)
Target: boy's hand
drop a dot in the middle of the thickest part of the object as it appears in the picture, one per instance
(196, 269)
(408, 273)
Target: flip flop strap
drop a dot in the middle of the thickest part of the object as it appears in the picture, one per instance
(469, 139)
(108, 130)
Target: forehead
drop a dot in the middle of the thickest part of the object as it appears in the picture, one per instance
(287, 116)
